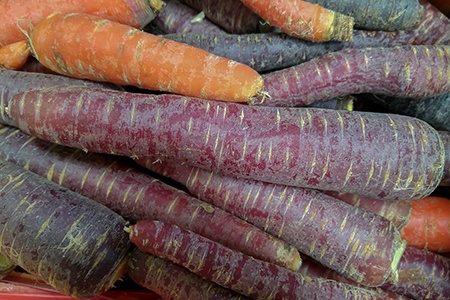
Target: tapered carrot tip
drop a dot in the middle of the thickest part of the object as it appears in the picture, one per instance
(15, 55)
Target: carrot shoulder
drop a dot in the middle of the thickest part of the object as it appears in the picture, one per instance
(303, 19)
(117, 53)
(15, 55)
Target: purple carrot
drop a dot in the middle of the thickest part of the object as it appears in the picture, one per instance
(422, 275)
(231, 15)
(359, 244)
(136, 195)
(176, 16)
(445, 136)
(172, 281)
(396, 211)
(234, 270)
(17, 81)
(371, 154)
(403, 71)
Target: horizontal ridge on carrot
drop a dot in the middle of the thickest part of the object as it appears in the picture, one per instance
(304, 20)
(136, 13)
(371, 154)
(117, 53)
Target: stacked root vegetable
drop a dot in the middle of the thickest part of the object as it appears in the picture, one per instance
(233, 149)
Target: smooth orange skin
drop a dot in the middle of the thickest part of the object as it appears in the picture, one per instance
(88, 47)
(429, 224)
(15, 55)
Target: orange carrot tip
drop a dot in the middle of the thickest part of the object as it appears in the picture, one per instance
(117, 53)
(304, 20)
(15, 55)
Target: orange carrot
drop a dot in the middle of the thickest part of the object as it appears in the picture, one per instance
(303, 19)
(136, 13)
(117, 53)
(429, 225)
(15, 55)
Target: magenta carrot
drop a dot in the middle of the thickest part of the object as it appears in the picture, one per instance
(135, 195)
(172, 281)
(251, 277)
(396, 157)
(402, 71)
(359, 244)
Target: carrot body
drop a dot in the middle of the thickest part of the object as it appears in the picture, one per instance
(445, 136)
(117, 53)
(303, 19)
(75, 244)
(137, 196)
(15, 55)
(172, 281)
(320, 226)
(251, 277)
(136, 13)
(395, 157)
(403, 71)
(429, 225)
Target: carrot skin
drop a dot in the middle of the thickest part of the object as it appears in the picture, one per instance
(429, 224)
(136, 13)
(380, 15)
(15, 81)
(445, 136)
(422, 274)
(137, 196)
(15, 55)
(268, 144)
(172, 281)
(133, 57)
(396, 211)
(231, 15)
(387, 71)
(320, 226)
(251, 277)
(54, 233)
(177, 17)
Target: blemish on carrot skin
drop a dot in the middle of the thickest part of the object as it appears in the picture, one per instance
(127, 193)
(307, 208)
(313, 162)
(386, 174)
(343, 223)
(139, 195)
(325, 166)
(270, 152)
(50, 172)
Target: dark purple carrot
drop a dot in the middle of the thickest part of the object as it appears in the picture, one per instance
(401, 71)
(135, 195)
(371, 154)
(172, 281)
(75, 244)
(176, 17)
(396, 211)
(445, 136)
(231, 15)
(13, 82)
(422, 275)
(378, 15)
(243, 274)
(357, 243)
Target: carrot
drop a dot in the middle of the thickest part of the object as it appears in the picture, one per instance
(243, 274)
(429, 225)
(6, 266)
(135, 195)
(396, 211)
(231, 15)
(380, 15)
(179, 17)
(403, 71)
(133, 57)
(75, 244)
(303, 19)
(136, 13)
(172, 281)
(15, 81)
(422, 274)
(396, 157)
(445, 136)
(33, 65)
(15, 55)
(318, 225)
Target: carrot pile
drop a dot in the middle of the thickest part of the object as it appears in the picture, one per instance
(189, 149)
